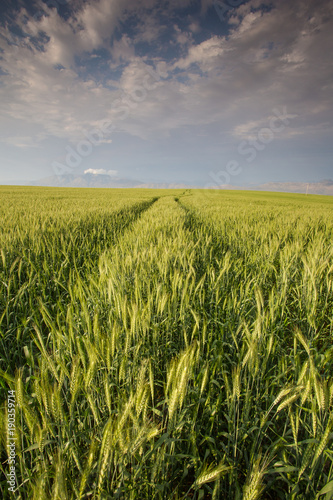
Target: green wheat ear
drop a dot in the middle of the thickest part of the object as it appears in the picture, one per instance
(254, 485)
(166, 349)
(211, 474)
(88, 467)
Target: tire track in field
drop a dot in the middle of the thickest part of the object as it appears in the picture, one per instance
(150, 275)
(118, 223)
(46, 274)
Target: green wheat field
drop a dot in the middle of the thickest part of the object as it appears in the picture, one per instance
(166, 344)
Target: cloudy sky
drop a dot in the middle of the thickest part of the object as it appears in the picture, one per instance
(204, 93)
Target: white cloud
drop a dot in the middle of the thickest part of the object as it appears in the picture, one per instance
(249, 129)
(268, 59)
(194, 27)
(22, 142)
(122, 50)
(101, 171)
(204, 54)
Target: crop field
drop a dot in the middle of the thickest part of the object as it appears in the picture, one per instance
(166, 344)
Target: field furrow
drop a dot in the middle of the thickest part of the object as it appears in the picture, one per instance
(184, 351)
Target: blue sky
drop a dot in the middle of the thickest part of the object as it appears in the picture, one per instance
(205, 93)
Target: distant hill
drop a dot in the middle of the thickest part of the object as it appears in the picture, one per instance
(86, 181)
(324, 187)
(103, 181)
(89, 180)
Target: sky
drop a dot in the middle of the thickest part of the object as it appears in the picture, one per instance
(202, 93)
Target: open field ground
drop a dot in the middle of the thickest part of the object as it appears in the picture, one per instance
(166, 345)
